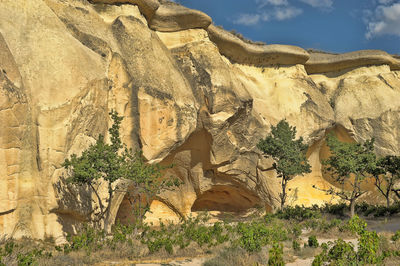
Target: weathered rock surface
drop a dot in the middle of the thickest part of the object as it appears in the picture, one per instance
(147, 7)
(173, 17)
(191, 95)
(252, 54)
(324, 62)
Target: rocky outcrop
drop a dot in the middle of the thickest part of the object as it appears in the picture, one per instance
(325, 62)
(147, 7)
(252, 54)
(192, 95)
(173, 17)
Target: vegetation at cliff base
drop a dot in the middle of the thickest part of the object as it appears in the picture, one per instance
(270, 239)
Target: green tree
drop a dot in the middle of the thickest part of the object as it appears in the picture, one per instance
(386, 175)
(289, 154)
(349, 165)
(115, 162)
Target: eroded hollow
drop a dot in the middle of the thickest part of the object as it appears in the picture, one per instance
(225, 198)
(125, 214)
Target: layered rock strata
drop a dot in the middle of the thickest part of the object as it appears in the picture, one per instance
(191, 94)
(252, 54)
(325, 62)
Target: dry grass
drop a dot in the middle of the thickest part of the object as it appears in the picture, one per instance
(132, 251)
(238, 256)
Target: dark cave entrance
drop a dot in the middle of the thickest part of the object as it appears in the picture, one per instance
(225, 198)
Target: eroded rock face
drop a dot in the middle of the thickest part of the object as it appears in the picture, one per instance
(191, 95)
(172, 17)
(324, 62)
(252, 54)
(147, 7)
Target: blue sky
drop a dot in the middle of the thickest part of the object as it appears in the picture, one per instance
(330, 25)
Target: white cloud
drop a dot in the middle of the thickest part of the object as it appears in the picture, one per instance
(279, 10)
(248, 19)
(263, 3)
(287, 13)
(278, 13)
(384, 21)
(318, 3)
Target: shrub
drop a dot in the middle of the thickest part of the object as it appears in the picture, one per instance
(299, 213)
(295, 245)
(296, 231)
(276, 255)
(340, 253)
(356, 225)
(368, 248)
(335, 209)
(88, 240)
(313, 242)
(253, 236)
(256, 234)
(396, 236)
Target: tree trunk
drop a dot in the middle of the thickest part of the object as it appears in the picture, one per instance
(352, 207)
(107, 222)
(283, 195)
(387, 201)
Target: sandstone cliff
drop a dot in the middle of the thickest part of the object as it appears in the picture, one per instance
(192, 94)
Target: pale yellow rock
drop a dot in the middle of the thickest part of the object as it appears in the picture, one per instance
(173, 17)
(195, 98)
(325, 62)
(181, 38)
(252, 54)
(147, 7)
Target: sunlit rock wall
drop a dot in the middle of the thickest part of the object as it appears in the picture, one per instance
(191, 94)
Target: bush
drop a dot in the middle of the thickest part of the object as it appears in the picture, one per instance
(368, 248)
(340, 253)
(356, 225)
(325, 225)
(335, 209)
(88, 240)
(376, 210)
(296, 231)
(313, 242)
(295, 245)
(190, 230)
(298, 213)
(256, 234)
(396, 236)
(276, 255)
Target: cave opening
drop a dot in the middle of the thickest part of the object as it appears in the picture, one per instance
(225, 198)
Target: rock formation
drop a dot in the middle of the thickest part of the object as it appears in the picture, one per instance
(191, 94)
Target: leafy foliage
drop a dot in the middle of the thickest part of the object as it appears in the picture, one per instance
(356, 225)
(386, 173)
(295, 245)
(396, 236)
(115, 162)
(276, 255)
(299, 213)
(342, 253)
(289, 154)
(312, 241)
(349, 164)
